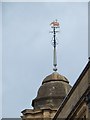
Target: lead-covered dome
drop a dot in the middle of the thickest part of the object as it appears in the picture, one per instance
(53, 90)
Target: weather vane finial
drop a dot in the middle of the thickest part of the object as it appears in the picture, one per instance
(54, 26)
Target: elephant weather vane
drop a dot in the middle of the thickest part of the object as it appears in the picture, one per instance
(54, 25)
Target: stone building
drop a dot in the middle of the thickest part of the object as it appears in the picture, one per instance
(56, 98)
(52, 92)
(50, 95)
(77, 102)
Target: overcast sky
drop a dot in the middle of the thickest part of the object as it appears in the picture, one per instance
(0, 60)
(28, 53)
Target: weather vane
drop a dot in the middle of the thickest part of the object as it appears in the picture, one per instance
(54, 26)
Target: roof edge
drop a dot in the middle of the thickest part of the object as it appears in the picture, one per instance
(72, 89)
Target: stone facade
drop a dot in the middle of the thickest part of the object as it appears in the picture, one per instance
(58, 103)
(50, 95)
(77, 102)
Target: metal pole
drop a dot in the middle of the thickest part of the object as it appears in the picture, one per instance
(54, 53)
(54, 25)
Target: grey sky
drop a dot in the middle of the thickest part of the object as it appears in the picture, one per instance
(0, 60)
(28, 53)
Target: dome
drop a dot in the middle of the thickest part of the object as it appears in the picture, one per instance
(55, 77)
(51, 93)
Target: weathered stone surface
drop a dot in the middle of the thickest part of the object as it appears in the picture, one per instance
(53, 90)
(76, 104)
(50, 95)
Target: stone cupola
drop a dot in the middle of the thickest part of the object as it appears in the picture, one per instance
(51, 93)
